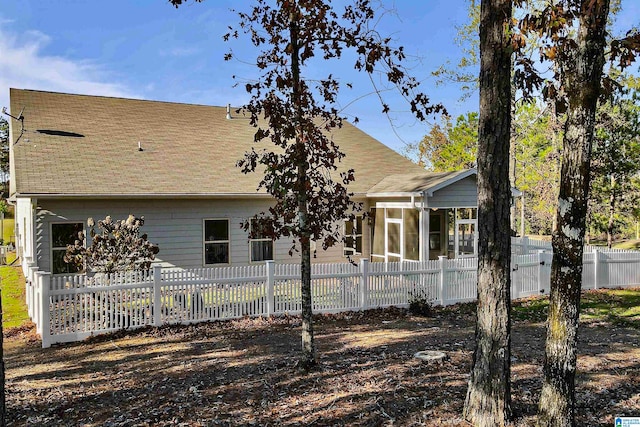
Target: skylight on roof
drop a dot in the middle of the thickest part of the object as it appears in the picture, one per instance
(60, 133)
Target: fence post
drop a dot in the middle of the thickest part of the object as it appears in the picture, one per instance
(442, 260)
(271, 271)
(513, 277)
(596, 268)
(45, 309)
(157, 296)
(525, 245)
(540, 267)
(31, 294)
(364, 283)
(37, 301)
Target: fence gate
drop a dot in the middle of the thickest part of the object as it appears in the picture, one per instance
(530, 274)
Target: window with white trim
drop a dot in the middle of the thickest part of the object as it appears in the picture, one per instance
(353, 236)
(63, 234)
(261, 246)
(216, 241)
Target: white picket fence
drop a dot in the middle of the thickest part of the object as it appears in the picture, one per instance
(71, 308)
(526, 245)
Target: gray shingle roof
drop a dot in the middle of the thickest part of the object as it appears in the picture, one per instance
(188, 149)
(417, 182)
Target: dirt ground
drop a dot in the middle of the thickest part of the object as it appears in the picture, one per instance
(244, 373)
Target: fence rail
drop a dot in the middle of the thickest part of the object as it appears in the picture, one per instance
(71, 308)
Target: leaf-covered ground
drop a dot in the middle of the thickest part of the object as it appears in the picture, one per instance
(244, 373)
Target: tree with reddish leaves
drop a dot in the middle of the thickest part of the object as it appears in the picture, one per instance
(297, 114)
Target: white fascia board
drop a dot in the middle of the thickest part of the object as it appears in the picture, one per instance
(394, 194)
(147, 196)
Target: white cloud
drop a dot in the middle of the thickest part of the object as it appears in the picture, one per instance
(23, 65)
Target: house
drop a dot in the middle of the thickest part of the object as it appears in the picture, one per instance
(77, 156)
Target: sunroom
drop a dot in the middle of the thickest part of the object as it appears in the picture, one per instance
(425, 216)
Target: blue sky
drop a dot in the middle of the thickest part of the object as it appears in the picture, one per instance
(148, 49)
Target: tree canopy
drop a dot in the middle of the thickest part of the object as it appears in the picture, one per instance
(449, 147)
(616, 162)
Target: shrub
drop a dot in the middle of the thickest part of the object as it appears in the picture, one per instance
(419, 304)
(118, 246)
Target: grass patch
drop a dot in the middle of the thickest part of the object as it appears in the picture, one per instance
(533, 309)
(618, 306)
(14, 309)
(9, 225)
(628, 245)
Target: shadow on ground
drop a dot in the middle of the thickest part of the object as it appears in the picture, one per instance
(244, 373)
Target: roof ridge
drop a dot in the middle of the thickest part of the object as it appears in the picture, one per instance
(82, 95)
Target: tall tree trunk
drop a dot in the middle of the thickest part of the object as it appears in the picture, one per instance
(555, 131)
(523, 225)
(513, 155)
(3, 407)
(612, 211)
(582, 72)
(512, 181)
(488, 401)
(308, 357)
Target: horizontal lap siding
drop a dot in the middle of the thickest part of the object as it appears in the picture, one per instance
(463, 193)
(176, 226)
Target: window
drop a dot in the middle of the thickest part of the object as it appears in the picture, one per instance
(411, 223)
(216, 241)
(63, 234)
(261, 246)
(377, 234)
(353, 236)
(435, 232)
(467, 213)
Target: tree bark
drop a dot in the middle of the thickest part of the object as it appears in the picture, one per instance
(582, 72)
(3, 407)
(308, 356)
(513, 159)
(523, 225)
(555, 130)
(488, 401)
(612, 211)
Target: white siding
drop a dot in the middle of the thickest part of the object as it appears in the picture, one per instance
(461, 194)
(176, 226)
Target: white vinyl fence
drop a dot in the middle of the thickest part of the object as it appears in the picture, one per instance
(71, 308)
(525, 245)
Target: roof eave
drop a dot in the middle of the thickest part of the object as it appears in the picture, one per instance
(143, 196)
(395, 194)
